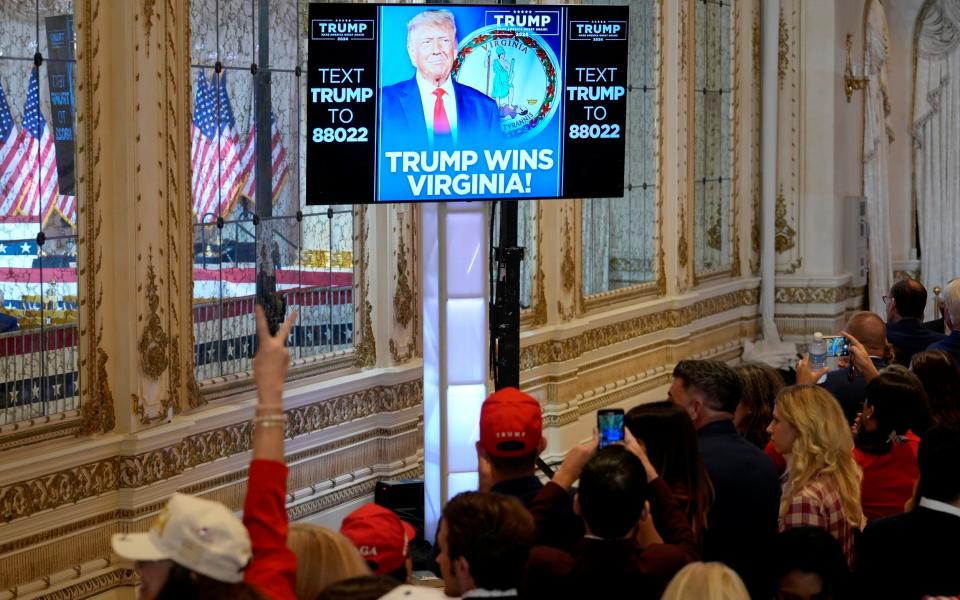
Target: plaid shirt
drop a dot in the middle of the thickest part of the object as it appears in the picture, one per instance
(818, 504)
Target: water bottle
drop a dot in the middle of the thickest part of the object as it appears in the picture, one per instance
(818, 352)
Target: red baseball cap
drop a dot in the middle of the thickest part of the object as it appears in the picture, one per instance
(511, 423)
(381, 536)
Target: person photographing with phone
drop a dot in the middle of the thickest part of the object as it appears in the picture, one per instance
(619, 491)
(866, 334)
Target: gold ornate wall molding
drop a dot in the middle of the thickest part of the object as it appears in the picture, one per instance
(558, 351)
(783, 52)
(789, 128)
(538, 312)
(406, 310)
(685, 165)
(755, 217)
(365, 347)
(816, 295)
(68, 486)
(154, 341)
(320, 477)
(97, 415)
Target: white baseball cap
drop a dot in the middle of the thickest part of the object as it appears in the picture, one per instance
(201, 535)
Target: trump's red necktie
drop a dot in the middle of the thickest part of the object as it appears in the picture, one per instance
(441, 125)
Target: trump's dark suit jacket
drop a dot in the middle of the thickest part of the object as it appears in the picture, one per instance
(909, 337)
(402, 121)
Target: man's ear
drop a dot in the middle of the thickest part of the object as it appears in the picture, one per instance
(542, 445)
(461, 568)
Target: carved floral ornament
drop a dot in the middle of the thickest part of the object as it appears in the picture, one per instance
(154, 341)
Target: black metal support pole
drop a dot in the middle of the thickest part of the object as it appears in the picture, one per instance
(505, 321)
(273, 303)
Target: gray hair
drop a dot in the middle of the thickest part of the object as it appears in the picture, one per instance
(441, 17)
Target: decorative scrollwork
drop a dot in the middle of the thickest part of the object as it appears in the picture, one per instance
(154, 341)
(783, 55)
(785, 235)
(365, 348)
(403, 298)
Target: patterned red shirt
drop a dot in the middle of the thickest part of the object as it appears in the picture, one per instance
(818, 504)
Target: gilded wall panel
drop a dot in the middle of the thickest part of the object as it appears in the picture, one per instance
(789, 128)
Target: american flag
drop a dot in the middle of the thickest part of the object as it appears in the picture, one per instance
(248, 158)
(11, 157)
(215, 155)
(41, 193)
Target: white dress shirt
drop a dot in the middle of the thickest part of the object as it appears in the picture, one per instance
(429, 101)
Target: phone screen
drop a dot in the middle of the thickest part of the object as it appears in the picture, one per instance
(837, 345)
(610, 425)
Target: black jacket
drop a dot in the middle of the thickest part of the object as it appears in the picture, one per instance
(909, 337)
(909, 556)
(742, 523)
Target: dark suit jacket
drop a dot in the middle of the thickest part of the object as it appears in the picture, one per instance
(936, 325)
(909, 556)
(909, 337)
(850, 394)
(598, 568)
(564, 529)
(742, 523)
(951, 344)
(403, 125)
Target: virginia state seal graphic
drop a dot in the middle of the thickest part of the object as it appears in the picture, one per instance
(516, 68)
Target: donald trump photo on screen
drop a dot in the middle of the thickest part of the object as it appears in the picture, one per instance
(431, 109)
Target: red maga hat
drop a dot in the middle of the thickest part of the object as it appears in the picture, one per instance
(381, 536)
(511, 423)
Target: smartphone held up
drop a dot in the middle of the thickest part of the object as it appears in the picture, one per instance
(610, 426)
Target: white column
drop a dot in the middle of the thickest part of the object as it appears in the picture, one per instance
(770, 28)
(455, 347)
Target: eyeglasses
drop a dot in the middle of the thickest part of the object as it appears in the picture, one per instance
(886, 299)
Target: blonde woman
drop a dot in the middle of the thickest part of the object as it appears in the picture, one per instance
(822, 486)
(324, 557)
(706, 581)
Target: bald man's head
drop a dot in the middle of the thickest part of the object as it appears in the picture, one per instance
(870, 330)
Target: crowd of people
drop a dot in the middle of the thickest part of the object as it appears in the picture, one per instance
(845, 484)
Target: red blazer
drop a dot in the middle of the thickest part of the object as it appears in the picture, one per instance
(888, 479)
(273, 570)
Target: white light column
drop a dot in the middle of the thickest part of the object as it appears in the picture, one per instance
(455, 347)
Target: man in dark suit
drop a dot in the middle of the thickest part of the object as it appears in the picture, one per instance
(850, 387)
(905, 305)
(742, 523)
(951, 317)
(431, 109)
(914, 555)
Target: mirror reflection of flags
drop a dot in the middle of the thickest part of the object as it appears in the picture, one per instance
(223, 169)
(29, 183)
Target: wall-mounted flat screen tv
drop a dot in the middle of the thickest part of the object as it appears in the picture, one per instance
(464, 102)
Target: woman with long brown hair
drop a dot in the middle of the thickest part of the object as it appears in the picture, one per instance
(671, 443)
(940, 377)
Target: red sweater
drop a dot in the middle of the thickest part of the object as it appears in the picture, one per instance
(779, 462)
(273, 570)
(888, 479)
